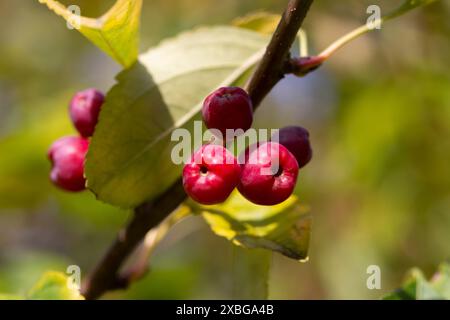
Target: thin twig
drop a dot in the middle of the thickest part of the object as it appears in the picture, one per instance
(273, 65)
(336, 45)
(106, 275)
(139, 267)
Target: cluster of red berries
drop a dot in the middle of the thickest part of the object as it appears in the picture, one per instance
(67, 154)
(213, 172)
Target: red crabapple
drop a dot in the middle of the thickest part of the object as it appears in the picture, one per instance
(258, 183)
(67, 156)
(228, 108)
(84, 110)
(296, 140)
(211, 175)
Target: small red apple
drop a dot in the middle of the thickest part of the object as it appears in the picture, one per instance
(259, 183)
(228, 108)
(296, 140)
(84, 110)
(67, 156)
(211, 175)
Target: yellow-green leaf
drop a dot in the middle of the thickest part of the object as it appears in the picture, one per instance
(261, 22)
(266, 23)
(116, 32)
(54, 286)
(284, 228)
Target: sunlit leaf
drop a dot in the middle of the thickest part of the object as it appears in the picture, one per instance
(116, 32)
(129, 160)
(284, 228)
(266, 23)
(261, 22)
(53, 286)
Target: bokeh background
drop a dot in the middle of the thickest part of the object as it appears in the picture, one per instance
(378, 186)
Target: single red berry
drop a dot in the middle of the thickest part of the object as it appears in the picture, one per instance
(84, 110)
(296, 140)
(211, 175)
(67, 156)
(259, 183)
(228, 108)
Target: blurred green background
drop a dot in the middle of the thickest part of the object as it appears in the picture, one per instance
(378, 186)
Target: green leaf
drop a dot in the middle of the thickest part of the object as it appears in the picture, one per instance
(261, 22)
(54, 286)
(116, 32)
(129, 160)
(416, 287)
(251, 271)
(284, 228)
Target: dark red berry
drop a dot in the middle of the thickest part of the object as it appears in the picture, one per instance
(296, 140)
(67, 156)
(259, 183)
(84, 110)
(228, 108)
(211, 175)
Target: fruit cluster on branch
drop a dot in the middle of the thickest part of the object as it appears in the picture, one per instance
(106, 274)
(268, 172)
